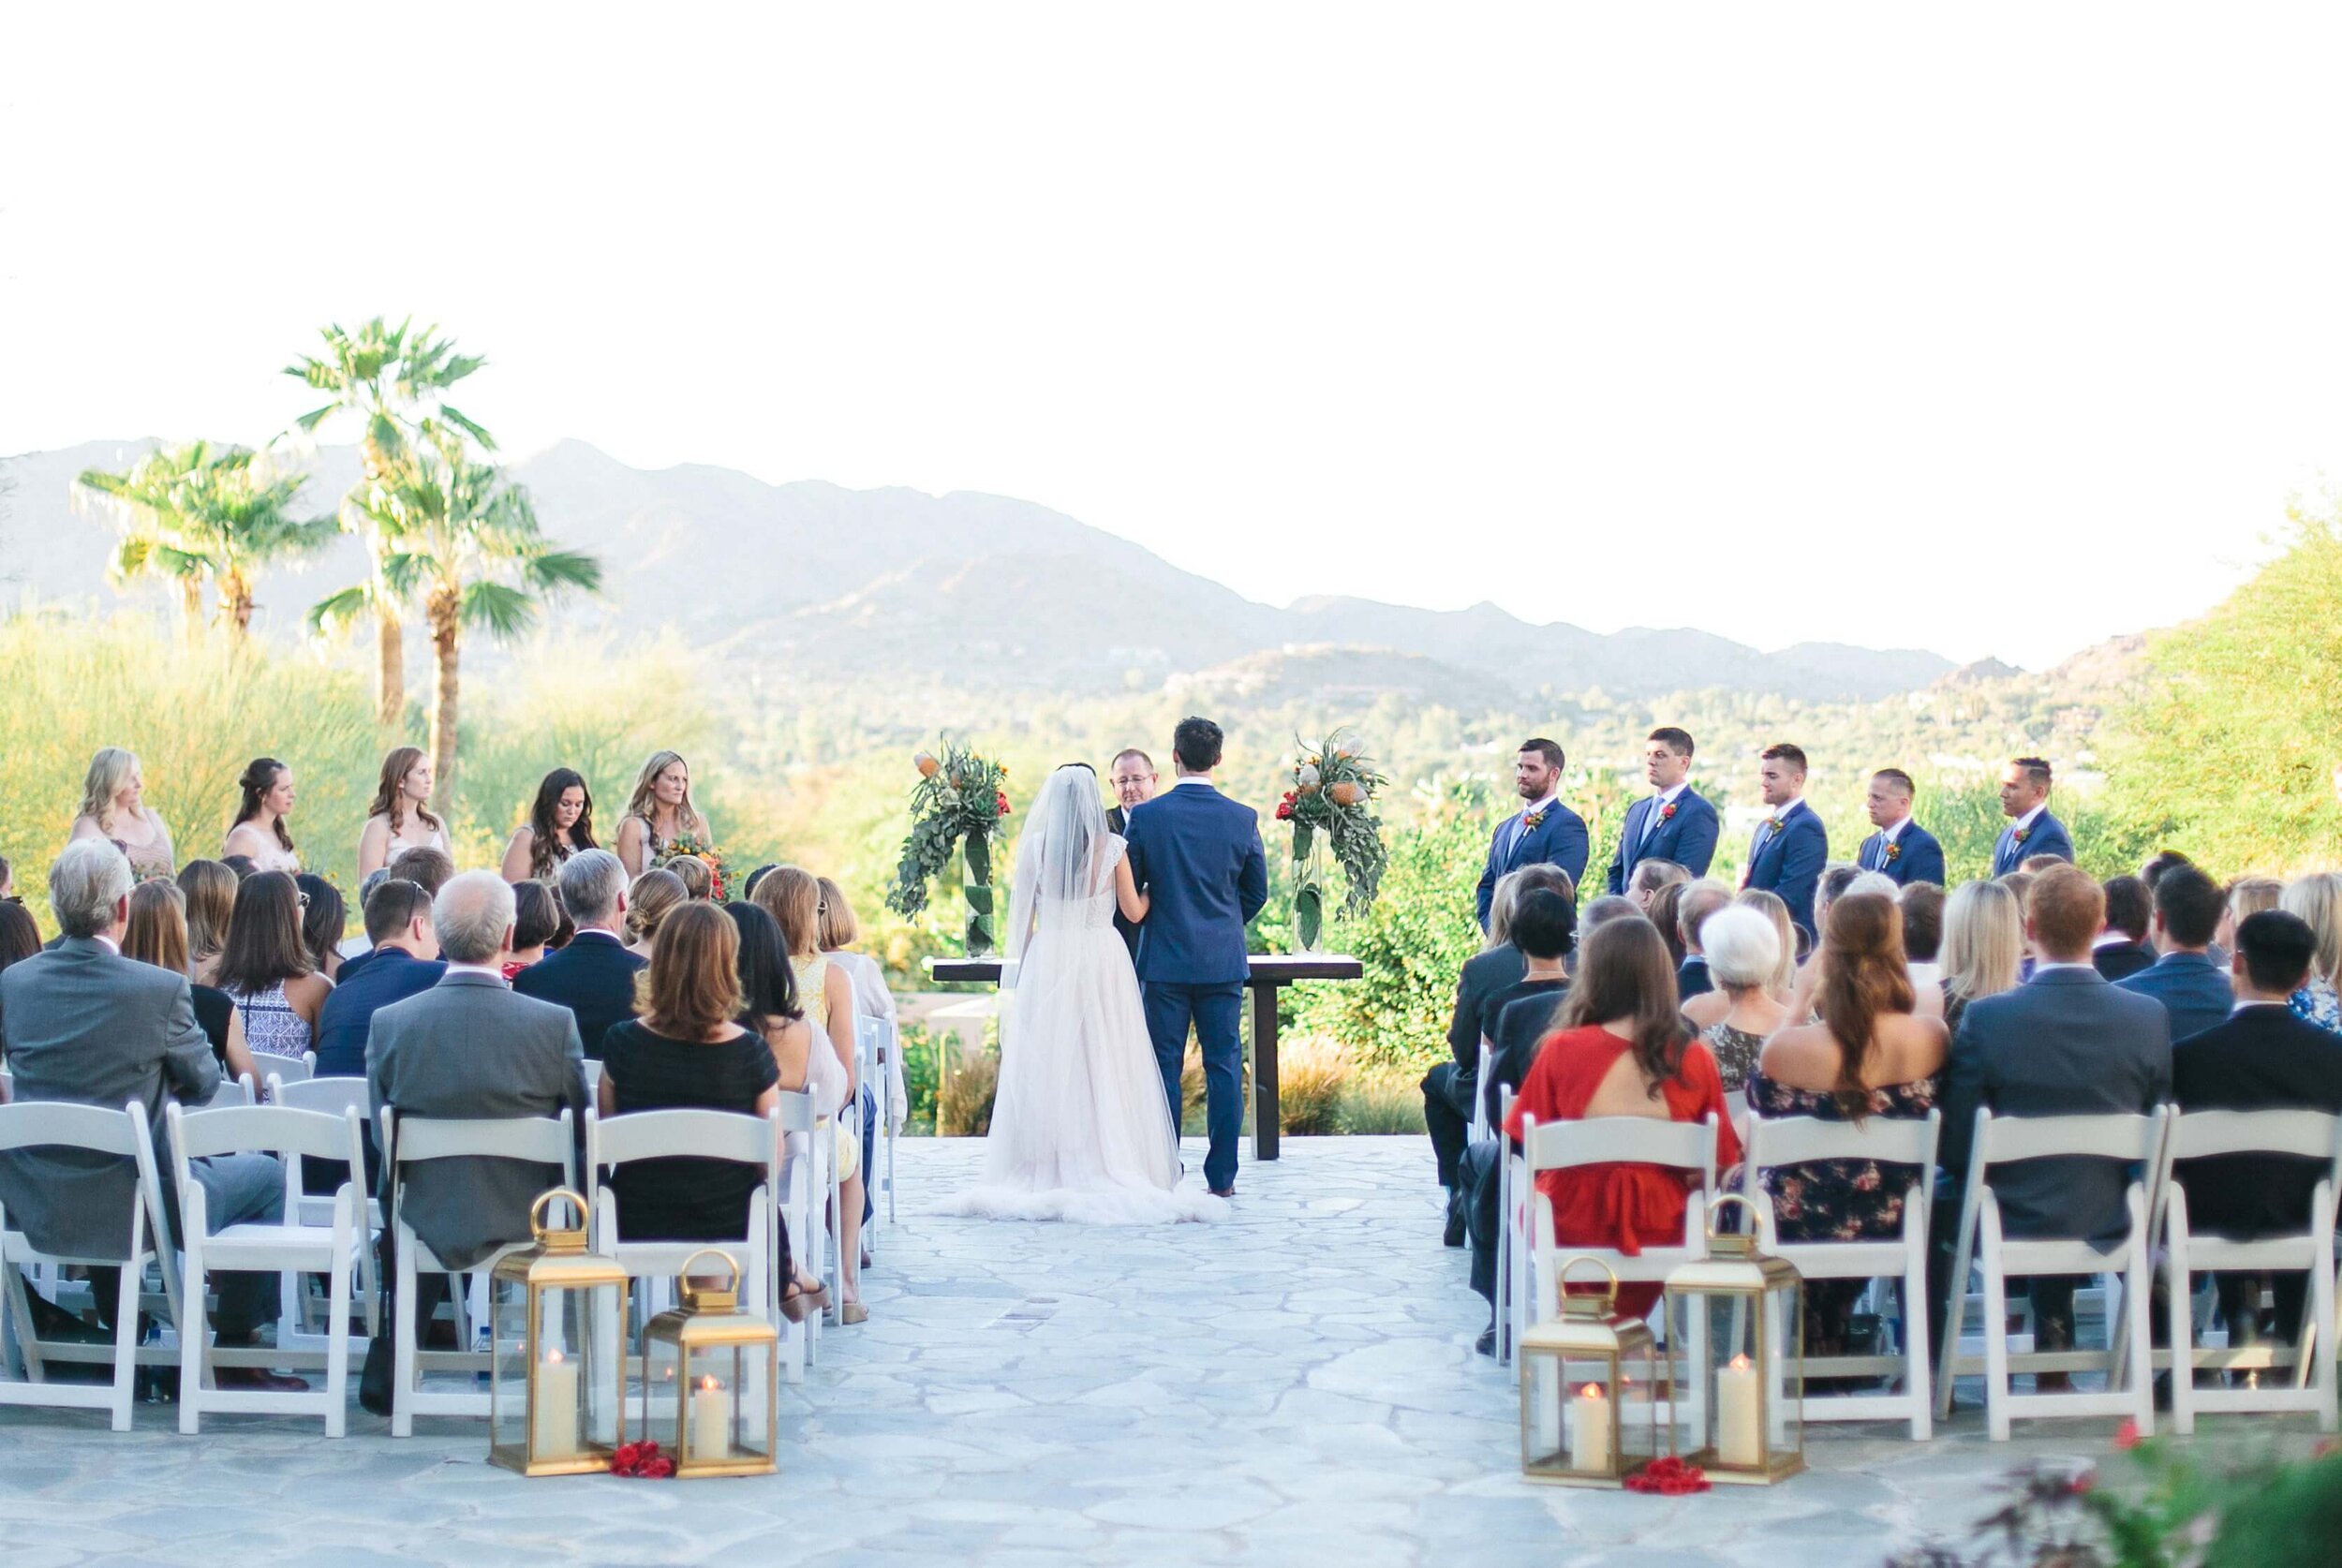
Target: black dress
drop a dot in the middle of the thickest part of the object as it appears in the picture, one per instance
(686, 1199)
(213, 1007)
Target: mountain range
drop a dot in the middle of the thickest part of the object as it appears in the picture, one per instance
(964, 592)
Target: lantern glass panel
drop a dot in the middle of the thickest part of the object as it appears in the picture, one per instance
(727, 1415)
(1740, 1359)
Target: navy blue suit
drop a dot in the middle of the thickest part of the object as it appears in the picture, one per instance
(593, 977)
(392, 974)
(2195, 991)
(1197, 855)
(1789, 861)
(1688, 838)
(1559, 839)
(2046, 836)
(1918, 857)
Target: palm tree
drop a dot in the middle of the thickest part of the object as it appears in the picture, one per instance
(198, 514)
(395, 379)
(468, 541)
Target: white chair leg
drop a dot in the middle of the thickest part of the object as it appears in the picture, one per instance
(402, 1343)
(1995, 1313)
(125, 1344)
(1917, 1362)
(337, 1338)
(195, 1333)
(2180, 1315)
(2138, 1291)
(2317, 1337)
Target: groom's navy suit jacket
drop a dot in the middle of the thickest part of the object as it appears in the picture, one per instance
(1560, 840)
(1198, 855)
(2046, 836)
(1918, 857)
(1790, 863)
(1688, 838)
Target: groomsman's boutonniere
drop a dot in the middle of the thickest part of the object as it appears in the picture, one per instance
(1530, 821)
(1773, 824)
(2021, 834)
(1895, 851)
(1666, 812)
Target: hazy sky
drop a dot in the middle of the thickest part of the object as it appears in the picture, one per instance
(1988, 330)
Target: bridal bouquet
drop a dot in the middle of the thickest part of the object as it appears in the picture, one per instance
(957, 804)
(689, 848)
(1331, 806)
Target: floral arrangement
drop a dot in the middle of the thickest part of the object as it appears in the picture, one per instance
(957, 804)
(1668, 1476)
(1332, 795)
(689, 848)
(643, 1460)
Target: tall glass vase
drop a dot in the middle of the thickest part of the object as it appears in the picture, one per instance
(1309, 914)
(976, 851)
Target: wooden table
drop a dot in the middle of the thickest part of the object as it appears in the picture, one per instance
(1272, 972)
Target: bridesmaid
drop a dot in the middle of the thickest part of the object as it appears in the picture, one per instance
(398, 819)
(113, 808)
(259, 832)
(559, 824)
(659, 812)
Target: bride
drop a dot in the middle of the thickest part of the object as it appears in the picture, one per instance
(1080, 1127)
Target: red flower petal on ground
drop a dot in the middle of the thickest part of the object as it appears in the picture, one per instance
(2127, 1435)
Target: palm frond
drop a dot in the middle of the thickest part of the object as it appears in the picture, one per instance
(498, 608)
(405, 572)
(564, 571)
(339, 610)
(455, 417)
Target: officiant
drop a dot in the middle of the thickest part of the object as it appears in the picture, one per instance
(1133, 781)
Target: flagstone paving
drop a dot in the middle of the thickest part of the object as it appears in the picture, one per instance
(1297, 1385)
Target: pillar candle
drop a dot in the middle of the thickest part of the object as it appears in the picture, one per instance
(711, 1421)
(553, 1413)
(1590, 1430)
(1740, 1436)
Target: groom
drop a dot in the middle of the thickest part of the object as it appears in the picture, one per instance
(1197, 855)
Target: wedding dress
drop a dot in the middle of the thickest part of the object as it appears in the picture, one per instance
(1080, 1127)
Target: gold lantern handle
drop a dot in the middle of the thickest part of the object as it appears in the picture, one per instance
(707, 1299)
(567, 1238)
(1587, 1306)
(1732, 1244)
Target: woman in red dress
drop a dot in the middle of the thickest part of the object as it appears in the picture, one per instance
(1621, 1048)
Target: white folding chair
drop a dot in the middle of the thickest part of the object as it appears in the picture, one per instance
(1888, 1141)
(292, 1069)
(694, 1135)
(879, 1040)
(2304, 1134)
(1535, 1291)
(2128, 1361)
(593, 1079)
(411, 1141)
(337, 1250)
(326, 1097)
(238, 1091)
(1479, 1129)
(47, 1124)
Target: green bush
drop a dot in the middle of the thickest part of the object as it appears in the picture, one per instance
(1381, 1102)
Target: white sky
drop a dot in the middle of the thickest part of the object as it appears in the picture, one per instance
(1988, 330)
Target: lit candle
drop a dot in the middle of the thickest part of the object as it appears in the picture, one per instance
(1740, 1434)
(711, 1421)
(1589, 1432)
(552, 1411)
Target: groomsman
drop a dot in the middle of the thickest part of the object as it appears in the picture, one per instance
(2025, 790)
(1901, 849)
(1544, 832)
(1132, 779)
(1673, 823)
(1792, 844)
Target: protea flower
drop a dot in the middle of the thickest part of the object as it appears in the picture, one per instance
(1347, 794)
(927, 765)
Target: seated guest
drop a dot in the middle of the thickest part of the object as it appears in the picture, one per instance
(1923, 906)
(19, 933)
(1870, 1055)
(2247, 897)
(1834, 882)
(86, 1025)
(2123, 947)
(1736, 1019)
(1783, 985)
(242, 866)
(2262, 1058)
(1620, 1049)
(690, 1052)
(427, 868)
(594, 975)
(768, 989)
(1984, 947)
(322, 917)
(2151, 870)
(2190, 986)
(2032, 832)
(1607, 908)
(698, 882)
(1649, 878)
(2064, 1044)
(793, 896)
(1699, 900)
(266, 970)
(747, 887)
(872, 997)
(1666, 916)
(536, 921)
(208, 888)
(1449, 1086)
(423, 1058)
(655, 893)
(1518, 1018)
(157, 933)
(2317, 900)
(406, 961)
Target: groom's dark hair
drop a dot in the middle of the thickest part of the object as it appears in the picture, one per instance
(1197, 744)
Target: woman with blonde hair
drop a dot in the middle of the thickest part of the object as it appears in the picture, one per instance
(1983, 946)
(156, 934)
(655, 895)
(1784, 981)
(259, 832)
(113, 808)
(793, 896)
(872, 997)
(2247, 897)
(209, 889)
(399, 819)
(659, 812)
(2317, 898)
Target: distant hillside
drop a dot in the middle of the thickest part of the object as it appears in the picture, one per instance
(898, 591)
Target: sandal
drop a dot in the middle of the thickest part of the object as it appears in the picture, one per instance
(798, 1304)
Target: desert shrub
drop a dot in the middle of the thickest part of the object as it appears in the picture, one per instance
(1381, 1103)
(1312, 1071)
(963, 1107)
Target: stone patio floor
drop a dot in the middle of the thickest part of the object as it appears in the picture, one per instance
(1295, 1386)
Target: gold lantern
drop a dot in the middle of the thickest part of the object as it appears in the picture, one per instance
(711, 1380)
(557, 1398)
(1589, 1392)
(1736, 1339)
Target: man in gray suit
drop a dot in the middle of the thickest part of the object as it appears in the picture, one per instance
(2064, 1044)
(471, 1049)
(83, 1024)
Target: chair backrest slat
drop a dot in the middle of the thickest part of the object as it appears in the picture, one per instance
(546, 1140)
(332, 1096)
(64, 1124)
(1799, 1140)
(2007, 1140)
(796, 1111)
(696, 1134)
(2309, 1135)
(253, 1129)
(1560, 1145)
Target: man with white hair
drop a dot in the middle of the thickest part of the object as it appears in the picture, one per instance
(469, 1049)
(83, 1024)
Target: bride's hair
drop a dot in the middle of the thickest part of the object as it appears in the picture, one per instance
(1059, 854)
